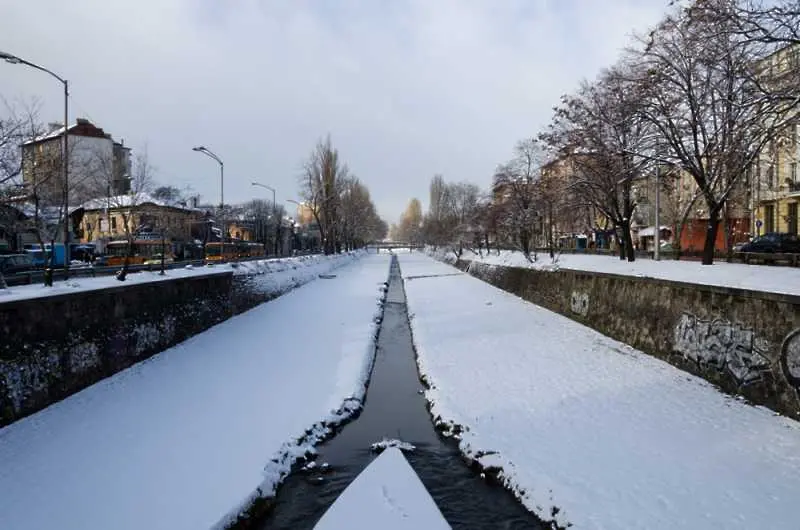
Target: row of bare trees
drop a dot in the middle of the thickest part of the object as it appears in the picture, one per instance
(695, 101)
(338, 201)
(701, 95)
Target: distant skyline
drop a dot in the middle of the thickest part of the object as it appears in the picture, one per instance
(406, 89)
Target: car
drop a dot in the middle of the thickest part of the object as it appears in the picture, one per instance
(156, 260)
(773, 242)
(14, 263)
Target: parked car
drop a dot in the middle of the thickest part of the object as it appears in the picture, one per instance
(156, 260)
(14, 263)
(773, 242)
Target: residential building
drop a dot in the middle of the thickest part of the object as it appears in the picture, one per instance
(98, 165)
(570, 219)
(735, 217)
(243, 230)
(775, 179)
(102, 220)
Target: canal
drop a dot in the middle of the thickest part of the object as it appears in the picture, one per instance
(395, 408)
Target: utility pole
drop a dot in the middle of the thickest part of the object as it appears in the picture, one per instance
(210, 154)
(657, 234)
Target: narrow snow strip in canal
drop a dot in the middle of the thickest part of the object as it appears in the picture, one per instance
(612, 437)
(184, 439)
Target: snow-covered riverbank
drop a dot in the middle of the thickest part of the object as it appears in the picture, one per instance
(184, 439)
(587, 430)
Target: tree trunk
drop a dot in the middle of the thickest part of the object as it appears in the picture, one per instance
(711, 236)
(676, 244)
(628, 240)
(163, 251)
(620, 244)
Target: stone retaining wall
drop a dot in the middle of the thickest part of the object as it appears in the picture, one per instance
(54, 346)
(746, 342)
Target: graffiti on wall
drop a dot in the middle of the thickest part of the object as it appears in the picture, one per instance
(723, 345)
(790, 357)
(579, 303)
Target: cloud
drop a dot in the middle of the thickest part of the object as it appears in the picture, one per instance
(407, 88)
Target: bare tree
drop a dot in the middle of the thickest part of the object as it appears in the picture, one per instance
(600, 134)
(360, 220)
(771, 21)
(18, 124)
(517, 194)
(712, 100)
(320, 185)
(129, 205)
(411, 223)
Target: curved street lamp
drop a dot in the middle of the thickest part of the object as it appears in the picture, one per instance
(210, 154)
(274, 212)
(13, 59)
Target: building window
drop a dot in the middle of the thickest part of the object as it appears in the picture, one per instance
(792, 218)
(769, 218)
(770, 176)
(793, 171)
(113, 223)
(88, 227)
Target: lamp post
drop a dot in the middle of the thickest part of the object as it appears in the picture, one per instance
(208, 153)
(13, 59)
(274, 212)
(657, 234)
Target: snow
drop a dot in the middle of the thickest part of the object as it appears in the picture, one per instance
(614, 438)
(388, 495)
(784, 280)
(386, 443)
(187, 438)
(272, 275)
(84, 284)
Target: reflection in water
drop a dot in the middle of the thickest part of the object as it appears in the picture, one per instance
(395, 408)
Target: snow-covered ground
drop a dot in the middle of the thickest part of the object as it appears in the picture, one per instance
(738, 275)
(614, 438)
(38, 290)
(273, 275)
(184, 439)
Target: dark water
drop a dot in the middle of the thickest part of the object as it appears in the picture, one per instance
(394, 408)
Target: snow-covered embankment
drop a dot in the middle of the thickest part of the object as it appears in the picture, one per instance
(188, 438)
(586, 430)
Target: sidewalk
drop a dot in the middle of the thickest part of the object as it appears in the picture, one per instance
(591, 430)
(182, 440)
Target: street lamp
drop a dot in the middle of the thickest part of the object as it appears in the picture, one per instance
(208, 153)
(13, 59)
(274, 212)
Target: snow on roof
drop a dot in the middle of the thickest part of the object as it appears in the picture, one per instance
(128, 201)
(55, 133)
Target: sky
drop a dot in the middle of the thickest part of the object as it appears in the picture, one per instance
(406, 88)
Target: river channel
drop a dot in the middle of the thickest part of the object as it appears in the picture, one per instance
(396, 408)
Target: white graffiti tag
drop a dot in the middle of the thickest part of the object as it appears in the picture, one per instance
(723, 345)
(579, 303)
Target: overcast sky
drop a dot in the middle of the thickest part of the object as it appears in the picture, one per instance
(406, 88)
